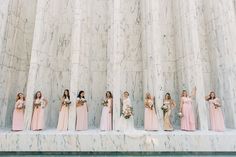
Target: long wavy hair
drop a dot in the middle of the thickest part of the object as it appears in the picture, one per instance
(111, 96)
(18, 96)
(68, 93)
(35, 95)
(79, 95)
(212, 97)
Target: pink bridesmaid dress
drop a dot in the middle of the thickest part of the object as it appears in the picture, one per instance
(18, 116)
(188, 119)
(38, 117)
(63, 118)
(82, 117)
(216, 116)
(150, 118)
(106, 120)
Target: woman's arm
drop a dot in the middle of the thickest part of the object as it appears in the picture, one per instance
(193, 93)
(46, 101)
(173, 104)
(207, 97)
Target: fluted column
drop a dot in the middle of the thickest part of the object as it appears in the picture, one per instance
(115, 51)
(34, 65)
(75, 56)
(221, 24)
(153, 74)
(188, 48)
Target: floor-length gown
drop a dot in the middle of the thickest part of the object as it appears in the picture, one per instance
(126, 124)
(38, 116)
(188, 119)
(216, 116)
(18, 116)
(150, 117)
(106, 118)
(167, 126)
(82, 117)
(63, 117)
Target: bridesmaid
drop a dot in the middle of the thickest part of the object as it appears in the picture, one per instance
(81, 112)
(168, 105)
(106, 118)
(64, 111)
(216, 116)
(39, 104)
(150, 118)
(186, 108)
(18, 114)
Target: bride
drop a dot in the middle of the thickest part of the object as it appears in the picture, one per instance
(126, 121)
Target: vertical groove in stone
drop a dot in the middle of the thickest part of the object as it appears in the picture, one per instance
(114, 54)
(191, 57)
(34, 67)
(221, 24)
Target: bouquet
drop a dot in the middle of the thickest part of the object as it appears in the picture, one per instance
(151, 105)
(37, 103)
(164, 108)
(128, 112)
(21, 106)
(81, 101)
(105, 102)
(67, 102)
(180, 114)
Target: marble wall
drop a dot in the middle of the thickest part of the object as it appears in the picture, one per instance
(16, 37)
(97, 45)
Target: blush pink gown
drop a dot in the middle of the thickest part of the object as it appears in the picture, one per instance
(216, 116)
(82, 117)
(18, 116)
(188, 119)
(63, 118)
(150, 119)
(106, 120)
(38, 117)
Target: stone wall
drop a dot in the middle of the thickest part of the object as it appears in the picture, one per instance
(97, 45)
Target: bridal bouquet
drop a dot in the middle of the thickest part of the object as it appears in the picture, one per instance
(105, 102)
(128, 112)
(164, 108)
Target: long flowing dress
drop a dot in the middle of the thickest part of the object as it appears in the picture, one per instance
(126, 124)
(106, 118)
(216, 116)
(18, 116)
(63, 117)
(188, 119)
(82, 117)
(150, 117)
(167, 126)
(38, 115)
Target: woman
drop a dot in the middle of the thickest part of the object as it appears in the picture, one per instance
(216, 116)
(106, 118)
(186, 110)
(126, 121)
(64, 111)
(39, 104)
(81, 112)
(168, 105)
(150, 117)
(18, 114)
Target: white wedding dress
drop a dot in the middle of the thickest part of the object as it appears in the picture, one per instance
(126, 124)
